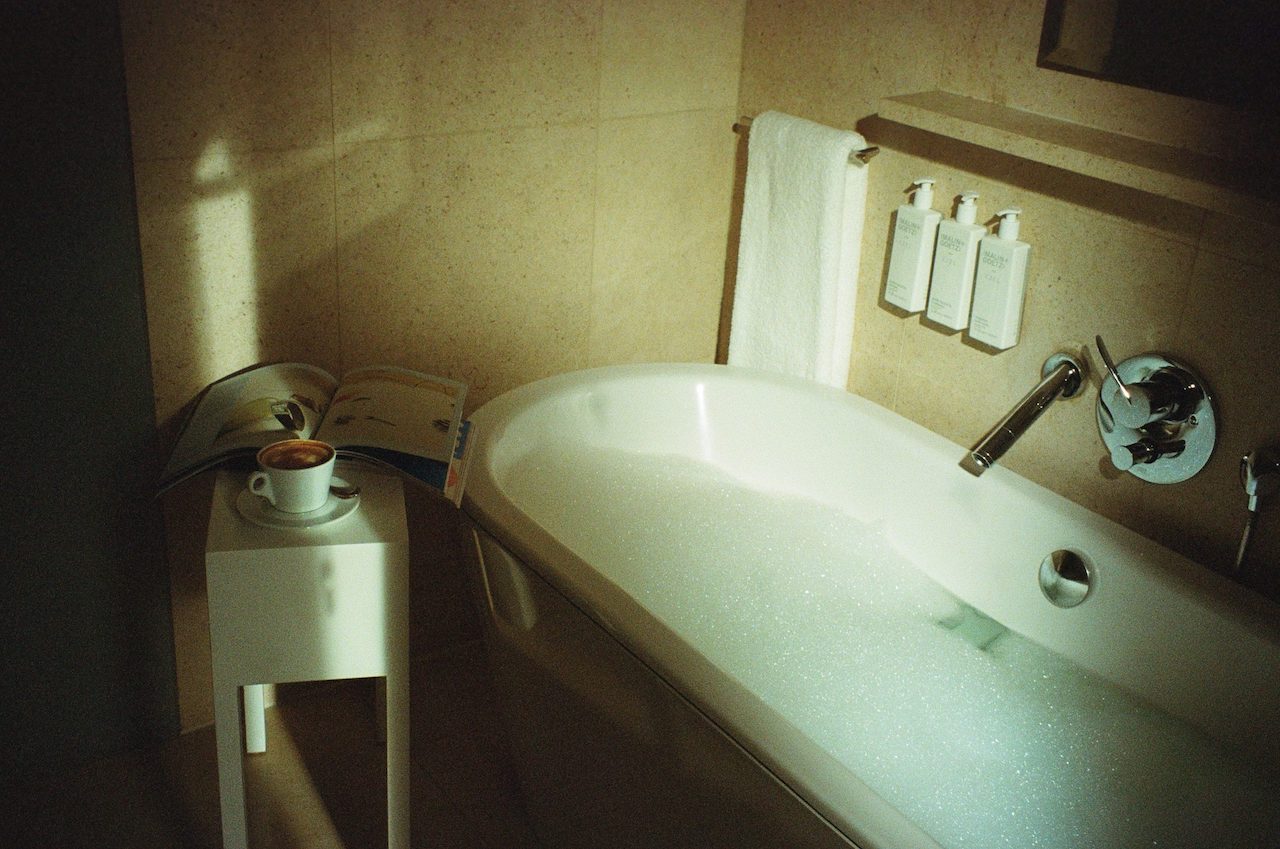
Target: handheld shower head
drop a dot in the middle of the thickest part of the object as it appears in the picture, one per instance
(1260, 474)
(1260, 477)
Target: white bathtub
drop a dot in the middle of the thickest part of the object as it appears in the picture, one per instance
(801, 566)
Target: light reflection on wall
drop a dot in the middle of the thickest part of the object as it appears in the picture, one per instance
(226, 278)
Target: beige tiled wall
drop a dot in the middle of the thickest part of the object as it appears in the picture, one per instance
(1146, 273)
(487, 190)
(497, 192)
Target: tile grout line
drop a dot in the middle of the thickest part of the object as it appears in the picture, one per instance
(333, 183)
(333, 142)
(586, 355)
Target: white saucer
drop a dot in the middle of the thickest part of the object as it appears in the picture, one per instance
(258, 510)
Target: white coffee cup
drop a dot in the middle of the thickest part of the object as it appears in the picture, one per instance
(295, 475)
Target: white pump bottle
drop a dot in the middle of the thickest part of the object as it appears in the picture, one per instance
(954, 263)
(915, 228)
(1000, 285)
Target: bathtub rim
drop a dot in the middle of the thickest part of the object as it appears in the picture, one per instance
(828, 786)
(1225, 597)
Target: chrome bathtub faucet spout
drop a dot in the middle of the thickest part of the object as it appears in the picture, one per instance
(1063, 376)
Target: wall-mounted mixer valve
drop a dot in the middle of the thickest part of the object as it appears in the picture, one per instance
(1155, 416)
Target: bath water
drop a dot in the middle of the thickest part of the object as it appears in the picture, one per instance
(1009, 745)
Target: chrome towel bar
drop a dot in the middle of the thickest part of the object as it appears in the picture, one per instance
(864, 156)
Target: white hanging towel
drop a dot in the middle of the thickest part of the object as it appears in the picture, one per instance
(801, 237)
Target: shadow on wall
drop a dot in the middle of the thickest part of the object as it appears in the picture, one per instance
(1028, 175)
(223, 294)
(239, 268)
(731, 247)
(447, 187)
(242, 241)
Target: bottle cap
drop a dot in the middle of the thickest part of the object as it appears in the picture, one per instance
(1009, 223)
(967, 211)
(923, 198)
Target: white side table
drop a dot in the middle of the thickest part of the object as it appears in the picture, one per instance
(308, 604)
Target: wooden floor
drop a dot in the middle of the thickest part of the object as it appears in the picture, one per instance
(320, 785)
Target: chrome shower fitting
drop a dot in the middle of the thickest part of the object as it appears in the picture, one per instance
(1260, 477)
(1155, 416)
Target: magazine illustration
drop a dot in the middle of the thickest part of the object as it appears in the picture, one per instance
(392, 417)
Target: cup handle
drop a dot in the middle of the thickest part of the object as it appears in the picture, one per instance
(260, 484)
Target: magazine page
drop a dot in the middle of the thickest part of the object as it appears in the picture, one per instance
(458, 467)
(247, 410)
(397, 416)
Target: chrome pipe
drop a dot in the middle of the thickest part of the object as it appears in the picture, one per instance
(864, 156)
(1062, 376)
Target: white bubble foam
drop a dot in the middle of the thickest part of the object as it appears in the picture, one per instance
(1011, 746)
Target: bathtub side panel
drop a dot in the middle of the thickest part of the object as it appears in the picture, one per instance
(608, 753)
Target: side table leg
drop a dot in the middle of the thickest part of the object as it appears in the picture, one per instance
(255, 719)
(226, 718)
(397, 698)
(398, 757)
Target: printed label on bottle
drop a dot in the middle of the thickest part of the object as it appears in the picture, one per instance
(995, 260)
(949, 242)
(906, 227)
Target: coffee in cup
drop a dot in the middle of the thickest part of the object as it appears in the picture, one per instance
(295, 474)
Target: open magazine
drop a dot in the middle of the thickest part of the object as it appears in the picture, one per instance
(393, 417)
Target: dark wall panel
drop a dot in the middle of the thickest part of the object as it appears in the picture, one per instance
(85, 643)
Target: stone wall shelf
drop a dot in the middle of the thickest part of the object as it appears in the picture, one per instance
(1187, 176)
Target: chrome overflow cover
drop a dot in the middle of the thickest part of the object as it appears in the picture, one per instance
(1066, 578)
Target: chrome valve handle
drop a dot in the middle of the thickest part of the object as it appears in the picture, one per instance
(1162, 396)
(1125, 457)
(1111, 367)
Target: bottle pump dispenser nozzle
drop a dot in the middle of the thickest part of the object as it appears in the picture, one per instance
(923, 198)
(967, 211)
(1009, 222)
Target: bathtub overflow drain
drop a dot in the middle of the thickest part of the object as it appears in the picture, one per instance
(1066, 578)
